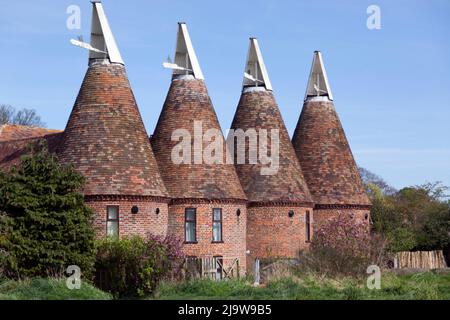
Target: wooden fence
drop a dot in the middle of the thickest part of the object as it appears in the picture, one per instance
(420, 260)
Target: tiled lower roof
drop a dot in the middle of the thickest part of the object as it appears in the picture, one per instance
(10, 132)
(11, 151)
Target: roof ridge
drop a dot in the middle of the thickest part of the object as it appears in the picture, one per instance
(26, 126)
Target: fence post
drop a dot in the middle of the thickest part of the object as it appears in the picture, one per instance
(257, 274)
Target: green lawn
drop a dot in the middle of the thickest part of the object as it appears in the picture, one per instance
(419, 286)
(307, 287)
(48, 289)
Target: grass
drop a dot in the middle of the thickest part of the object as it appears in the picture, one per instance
(48, 289)
(421, 286)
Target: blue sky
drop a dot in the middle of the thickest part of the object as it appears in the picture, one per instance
(391, 86)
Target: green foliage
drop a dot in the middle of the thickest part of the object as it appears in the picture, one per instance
(48, 289)
(132, 267)
(429, 286)
(414, 218)
(387, 221)
(45, 226)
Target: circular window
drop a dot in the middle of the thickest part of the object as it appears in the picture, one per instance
(134, 209)
(291, 213)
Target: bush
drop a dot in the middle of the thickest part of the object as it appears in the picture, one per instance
(132, 267)
(342, 246)
(46, 225)
(48, 289)
(414, 218)
(388, 220)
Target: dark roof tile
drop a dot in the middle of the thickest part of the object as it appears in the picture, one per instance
(106, 140)
(325, 156)
(188, 101)
(259, 110)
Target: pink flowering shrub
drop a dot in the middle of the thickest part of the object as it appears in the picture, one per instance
(174, 256)
(343, 246)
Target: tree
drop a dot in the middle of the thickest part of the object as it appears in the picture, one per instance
(26, 117)
(46, 224)
(388, 221)
(426, 208)
(6, 114)
(369, 177)
(414, 218)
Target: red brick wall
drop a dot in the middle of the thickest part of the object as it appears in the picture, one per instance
(322, 215)
(233, 231)
(144, 222)
(272, 233)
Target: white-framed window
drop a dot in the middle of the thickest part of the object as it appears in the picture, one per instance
(190, 223)
(112, 221)
(217, 225)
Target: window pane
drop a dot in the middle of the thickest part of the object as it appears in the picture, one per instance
(308, 227)
(113, 213)
(219, 264)
(190, 214)
(217, 231)
(190, 231)
(217, 214)
(112, 228)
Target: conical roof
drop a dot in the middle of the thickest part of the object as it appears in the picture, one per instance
(188, 105)
(257, 109)
(322, 147)
(105, 138)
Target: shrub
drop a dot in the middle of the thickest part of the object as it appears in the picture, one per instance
(46, 225)
(342, 246)
(132, 267)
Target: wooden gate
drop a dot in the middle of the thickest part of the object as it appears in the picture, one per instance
(215, 268)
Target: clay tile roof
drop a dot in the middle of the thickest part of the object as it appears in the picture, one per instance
(259, 110)
(11, 151)
(9, 132)
(188, 101)
(325, 156)
(322, 147)
(105, 138)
